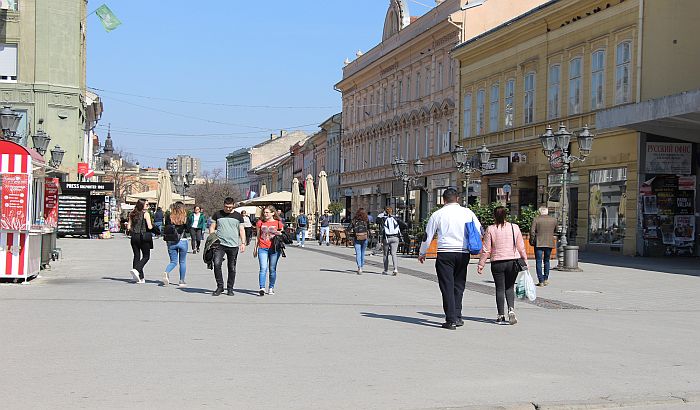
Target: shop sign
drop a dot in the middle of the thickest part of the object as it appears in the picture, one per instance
(51, 202)
(497, 166)
(686, 183)
(83, 168)
(86, 186)
(556, 160)
(15, 192)
(668, 158)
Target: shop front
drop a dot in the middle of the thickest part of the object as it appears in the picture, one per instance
(85, 208)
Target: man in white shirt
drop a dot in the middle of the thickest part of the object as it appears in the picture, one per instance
(450, 224)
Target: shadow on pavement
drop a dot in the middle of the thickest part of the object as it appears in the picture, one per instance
(465, 318)
(202, 291)
(350, 271)
(676, 265)
(131, 281)
(404, 319)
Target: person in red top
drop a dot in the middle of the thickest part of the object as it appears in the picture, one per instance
(267, 227)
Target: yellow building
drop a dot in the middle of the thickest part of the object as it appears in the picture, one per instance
(563, 61)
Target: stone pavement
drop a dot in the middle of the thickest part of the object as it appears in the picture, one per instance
(84, 336)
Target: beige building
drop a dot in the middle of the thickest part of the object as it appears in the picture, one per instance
(567, 62)
(399, 101)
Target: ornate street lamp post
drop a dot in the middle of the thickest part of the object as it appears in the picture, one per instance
(400, 168)
(41, 142)
(463, 162)
(56, 156)
(556, 147)
(9, 121)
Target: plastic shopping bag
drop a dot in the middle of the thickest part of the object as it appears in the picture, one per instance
(525, 286)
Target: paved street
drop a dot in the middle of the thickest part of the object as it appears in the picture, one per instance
(84, 336)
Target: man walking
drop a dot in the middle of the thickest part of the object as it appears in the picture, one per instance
(229, 227)
(450, 224)
(541, 237)
(302, 224)
(325, 222)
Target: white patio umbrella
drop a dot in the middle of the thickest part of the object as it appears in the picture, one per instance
(164, 194)
(263, 190)
(324, 198)
(310, 197)
(296, 198)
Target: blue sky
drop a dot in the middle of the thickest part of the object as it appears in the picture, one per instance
(226, 53)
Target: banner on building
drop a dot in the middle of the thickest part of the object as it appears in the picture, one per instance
(668, 158)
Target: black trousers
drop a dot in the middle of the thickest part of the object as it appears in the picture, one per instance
(248, 235)
(231, 254)
(196, 235)
(504, 275)
(451, 268)
(142, 253)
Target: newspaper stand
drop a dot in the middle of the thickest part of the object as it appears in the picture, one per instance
(20, 242)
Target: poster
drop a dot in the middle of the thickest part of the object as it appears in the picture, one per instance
(684, 228)
(650, 205)
(518, 157)
(686, 183)
(668, 158)
(666, 223)
(684, 202)
(51, 202)
(15, 192)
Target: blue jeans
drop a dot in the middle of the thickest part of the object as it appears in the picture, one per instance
(267, 260)
(159, 225)
(325, 235)
(301, 235)
(540, 255)
(178, 252)
(360, 248)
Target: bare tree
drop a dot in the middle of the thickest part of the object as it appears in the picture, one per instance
(211, 193)
(122, 170)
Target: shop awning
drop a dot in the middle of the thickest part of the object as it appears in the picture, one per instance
(674, 116)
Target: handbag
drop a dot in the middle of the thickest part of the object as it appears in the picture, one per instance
(519, 262)
(146, 236)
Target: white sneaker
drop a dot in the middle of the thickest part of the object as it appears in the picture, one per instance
(302, 245)
(271, 291)
(182, 284)
(511, 317)
(135, 274)
(396, 272)
(141, 281)
(359, 271)
(261, 292)
(166, 279)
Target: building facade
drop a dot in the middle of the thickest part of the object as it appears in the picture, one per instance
(333, 130)
(42, 73)
(180, 165)
(399, 101)
(563, 62)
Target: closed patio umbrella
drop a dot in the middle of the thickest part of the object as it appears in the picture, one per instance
(164, 195)
(296, 198)
(263, 190)
(323, 199)
(310, 197)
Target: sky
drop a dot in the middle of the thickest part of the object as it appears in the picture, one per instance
(205, 81)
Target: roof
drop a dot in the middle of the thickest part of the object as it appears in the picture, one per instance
(271, 163)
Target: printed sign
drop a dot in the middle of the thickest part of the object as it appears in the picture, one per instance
(518, 157)
(686, 183)
(51, 202)
(496, 166)
(83, 168)
(15, 193)
(668, 158)
(684, 228)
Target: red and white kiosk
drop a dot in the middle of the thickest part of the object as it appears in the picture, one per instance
(24, 219)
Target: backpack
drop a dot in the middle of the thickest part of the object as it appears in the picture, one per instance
(473, 238)
(302, 220)
(170, 233)
(391, 227)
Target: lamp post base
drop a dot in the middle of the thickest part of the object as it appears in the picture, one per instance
(570, 260)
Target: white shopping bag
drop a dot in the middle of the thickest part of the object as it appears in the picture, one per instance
(525, 286)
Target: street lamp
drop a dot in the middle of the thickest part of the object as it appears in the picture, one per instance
(400, 169)
(556, 148)
(41, 141)
(56, 156)
(9, 121)
(460, 156)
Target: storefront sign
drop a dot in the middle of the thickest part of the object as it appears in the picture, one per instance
(86, 186)
(51, 202)
(668, 158)
(83, 168)
(497, 166)
(15, 192)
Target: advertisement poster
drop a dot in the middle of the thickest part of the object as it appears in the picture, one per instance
(668, 158)
(686, 183)
(518, 157)
(684, 228)
(684, 202)
(15, 192)
(666, 223)
(650, 205)
(51, 202)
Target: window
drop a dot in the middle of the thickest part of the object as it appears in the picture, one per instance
(467, 109)
(370, 158)
(622, 72)
(427, 141)
(529, 100)
(597, 80)
(393, 97)
(451, 73)
(509, 107)
(494, 108)
(371, 104)
(408, 88)
(8, 63)
(418, 85)
(427, 81)
(446, 140)
(365, 112)
(438, 138)
(400, 91)
(608, 197)
(416, 133)
(575, 86)
(553, 91)
(439, 76)
(8, 5)
(384, 106)
(406, 145)
(480, 108)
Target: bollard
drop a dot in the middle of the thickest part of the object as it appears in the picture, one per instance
(571, 258)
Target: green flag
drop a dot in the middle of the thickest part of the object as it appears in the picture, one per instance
(108, 19)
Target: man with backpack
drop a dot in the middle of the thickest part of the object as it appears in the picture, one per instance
(302, 224)
(390, 233)
(324, 222)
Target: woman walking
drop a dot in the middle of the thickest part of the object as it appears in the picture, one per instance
(267, 228)
(174, 235)
(503, 243)
(359, 227)
(247, 226)
(197, 222)
(391, 236)
(141, 238)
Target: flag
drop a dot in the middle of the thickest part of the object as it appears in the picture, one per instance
(108, 19)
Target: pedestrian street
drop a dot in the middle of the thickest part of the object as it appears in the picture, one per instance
(83, 335)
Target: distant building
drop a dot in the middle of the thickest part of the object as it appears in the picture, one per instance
(182, 164)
